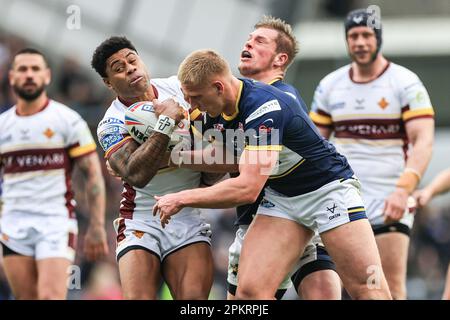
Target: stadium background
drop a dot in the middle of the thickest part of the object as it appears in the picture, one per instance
(416, 34)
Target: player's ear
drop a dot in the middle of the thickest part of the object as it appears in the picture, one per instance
(218, 85)
(280, 59)
(107, 83)
(48, 76)
(11, 77)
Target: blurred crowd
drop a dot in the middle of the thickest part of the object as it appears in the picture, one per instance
(74, 86)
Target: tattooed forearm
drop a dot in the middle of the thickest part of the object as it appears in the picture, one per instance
(95, 187)
(136, 164)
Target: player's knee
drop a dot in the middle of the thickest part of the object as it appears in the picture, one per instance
(324, 285)
(250, 293)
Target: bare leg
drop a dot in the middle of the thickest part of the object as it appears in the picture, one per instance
(393, 248)
(353, 248)
(189, 272)
(271, 247)
(140, 275)
(52, 278)
(21, 273)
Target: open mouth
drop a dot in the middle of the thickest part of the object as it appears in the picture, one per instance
(246, 55)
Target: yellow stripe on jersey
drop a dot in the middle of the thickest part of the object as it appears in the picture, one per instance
(82, 150)
(367, 116)
(289, 171)
(320, 119)
(116, 146)
(264, 148)
(274, 80)
(410, 114)
(236, 112)
(195, 114)
(370, 142)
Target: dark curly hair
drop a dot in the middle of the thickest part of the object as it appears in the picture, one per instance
(106, 49)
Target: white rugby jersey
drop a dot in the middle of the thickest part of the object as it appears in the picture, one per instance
(368, 120)
(137, 203)
(37, 153)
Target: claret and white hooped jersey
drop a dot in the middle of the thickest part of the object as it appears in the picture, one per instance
(137, 203)
(37, 154)
(368, 120)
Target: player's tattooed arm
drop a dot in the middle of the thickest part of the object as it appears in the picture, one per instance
(89, 165)
(138, 164)
(95, 242)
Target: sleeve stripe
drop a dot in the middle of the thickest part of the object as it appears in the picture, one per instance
(82, 150)
(320, 119)
(408, 115)
(195, 114)
(264, 148)
(115, 147)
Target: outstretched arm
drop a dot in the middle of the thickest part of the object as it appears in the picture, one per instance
(255, 168)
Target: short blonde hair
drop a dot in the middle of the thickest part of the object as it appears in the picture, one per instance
(200, 66)
(286, 41)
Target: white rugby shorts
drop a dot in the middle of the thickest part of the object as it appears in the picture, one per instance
(147, 234)
(39, 236)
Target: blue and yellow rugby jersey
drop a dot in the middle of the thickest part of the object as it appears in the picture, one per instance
(307, 161)
(245, 213)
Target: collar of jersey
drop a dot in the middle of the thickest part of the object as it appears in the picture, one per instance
(275, 80)
(236, 107)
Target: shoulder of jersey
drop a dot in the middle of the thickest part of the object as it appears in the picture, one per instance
(170, 84)
(402, 75)
(63, 109)
(8, 113)
(113, 116)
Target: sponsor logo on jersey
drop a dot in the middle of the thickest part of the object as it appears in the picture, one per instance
(266, 204)
(110, 121)
(110, 130)
(359, 104)
(109, 140)
(24, 134)
(49, 133)
(383, 103)
(336, 106)
(269, 106)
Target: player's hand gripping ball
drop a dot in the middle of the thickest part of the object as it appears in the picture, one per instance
(140, 120)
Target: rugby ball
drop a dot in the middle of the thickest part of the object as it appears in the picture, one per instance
(140, 119)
